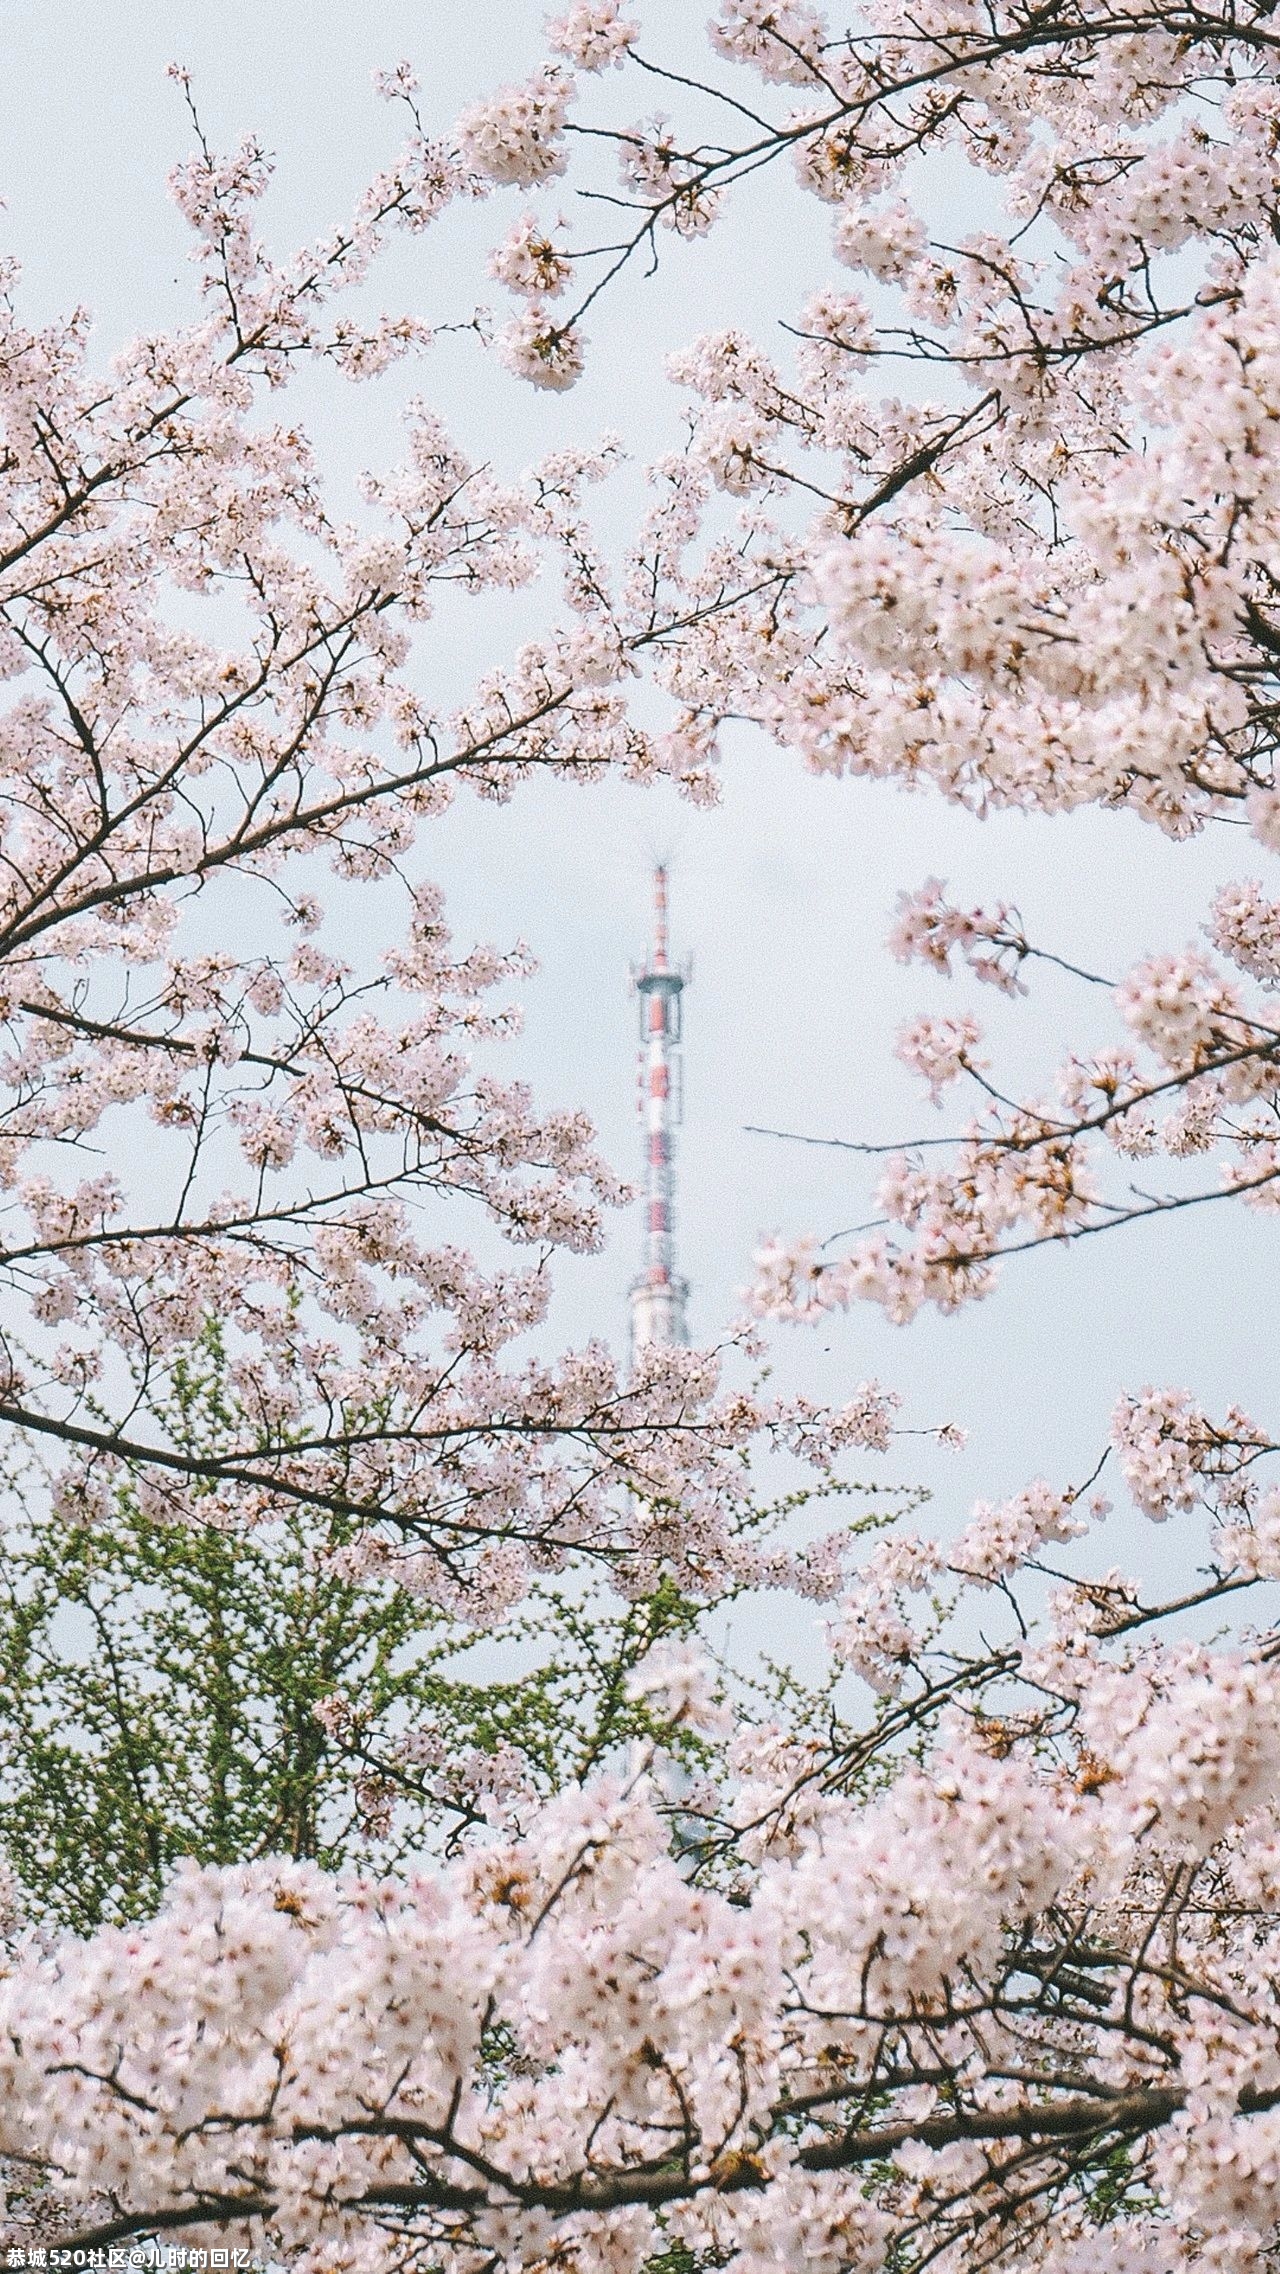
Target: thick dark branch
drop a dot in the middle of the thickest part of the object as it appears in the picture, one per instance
(1081, 2117)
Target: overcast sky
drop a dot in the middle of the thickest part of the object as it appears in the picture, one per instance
(784, 895)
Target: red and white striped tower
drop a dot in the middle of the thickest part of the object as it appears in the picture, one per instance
(659, 1295)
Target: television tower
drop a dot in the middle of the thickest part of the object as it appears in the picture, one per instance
(659, 1294)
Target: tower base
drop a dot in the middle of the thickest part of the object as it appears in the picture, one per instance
(658, 1314)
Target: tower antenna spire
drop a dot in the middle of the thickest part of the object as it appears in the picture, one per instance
(659, 1295)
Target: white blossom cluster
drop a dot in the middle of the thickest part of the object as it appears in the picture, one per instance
(352, 2072)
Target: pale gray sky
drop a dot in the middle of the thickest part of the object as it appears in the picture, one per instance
(783, 896)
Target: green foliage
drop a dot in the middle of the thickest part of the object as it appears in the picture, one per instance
(160, 1688)
(159, 1696)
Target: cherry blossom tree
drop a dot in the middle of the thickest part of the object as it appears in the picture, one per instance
(974, 1964)
(214, 704)
(1041, 577)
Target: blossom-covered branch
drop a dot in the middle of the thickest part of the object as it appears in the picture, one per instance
(955, 2005)
(1198, 1079)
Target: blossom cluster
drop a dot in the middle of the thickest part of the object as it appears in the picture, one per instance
(901, 2006)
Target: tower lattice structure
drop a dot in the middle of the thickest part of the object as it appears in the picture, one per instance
(659, 1296)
